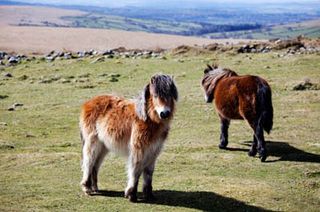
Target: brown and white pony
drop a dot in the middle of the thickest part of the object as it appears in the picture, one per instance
(134, 128)
(240, 97)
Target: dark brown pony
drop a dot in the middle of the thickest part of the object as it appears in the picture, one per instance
(240, 97)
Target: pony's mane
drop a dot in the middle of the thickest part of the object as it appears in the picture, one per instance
(212, 75)
(163, 86)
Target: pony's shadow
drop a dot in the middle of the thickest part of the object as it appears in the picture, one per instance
(286, 152)
(200, 200)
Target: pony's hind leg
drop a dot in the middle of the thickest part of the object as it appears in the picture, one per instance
(88, 159)
(101, 153)
(261, 143)
(259, 140)
(253, 150)
(258, 143)
(224, 132)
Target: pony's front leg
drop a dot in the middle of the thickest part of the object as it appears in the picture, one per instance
(135, 168)
(224, 132)
(147, 181)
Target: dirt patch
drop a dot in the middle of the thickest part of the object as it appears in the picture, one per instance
(42, 40)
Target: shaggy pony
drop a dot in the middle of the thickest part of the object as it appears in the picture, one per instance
(134, 128)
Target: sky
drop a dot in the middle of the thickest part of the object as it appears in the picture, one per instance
(121, 3)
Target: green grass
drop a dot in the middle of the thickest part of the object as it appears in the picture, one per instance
(131, 24)
(40, 146)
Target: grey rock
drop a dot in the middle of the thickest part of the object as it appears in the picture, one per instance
(146, 52)
(3, 124)
(13, 60)
(50, 58)
(11, 109)
(63, 81)
(28, 135)
(17, 104)
(14, 106)
(109, 56)
(7, 74)
(153, 54)
(2, 55)
(82, 54)
(67, 55)
(108, 52)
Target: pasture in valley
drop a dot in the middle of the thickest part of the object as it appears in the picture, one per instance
(40, 149)
(19, 24)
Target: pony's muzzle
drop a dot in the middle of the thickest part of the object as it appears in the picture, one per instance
(165, 114)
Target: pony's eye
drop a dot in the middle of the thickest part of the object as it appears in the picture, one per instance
(156, 96)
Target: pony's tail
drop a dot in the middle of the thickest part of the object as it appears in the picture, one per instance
(265, 104)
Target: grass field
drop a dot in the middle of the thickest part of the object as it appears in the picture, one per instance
(40, 146)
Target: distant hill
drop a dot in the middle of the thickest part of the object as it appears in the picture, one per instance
(216, 21)
(39, 30)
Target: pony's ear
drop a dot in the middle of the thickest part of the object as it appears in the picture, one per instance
(152, 81)
(209, 68)
(142, 103)
(215, 66)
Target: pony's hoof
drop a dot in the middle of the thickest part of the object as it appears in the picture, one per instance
(263, 158)
(132, 196)
(252, 153)
(94, 189)
(222, 146)
(87, 191)
(263, 155)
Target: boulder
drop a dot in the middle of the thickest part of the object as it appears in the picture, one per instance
(2, 55)
(108, 52)
(7, 75)
(13, 60)
(14, 106)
